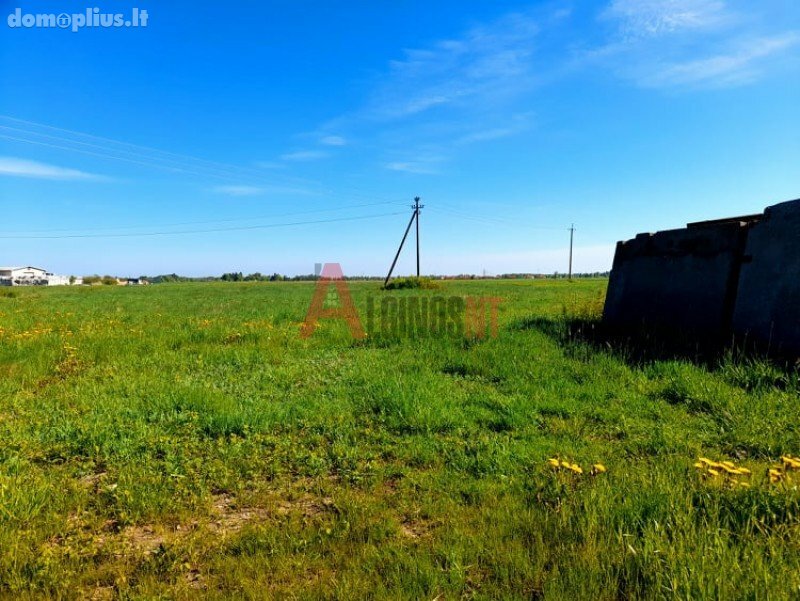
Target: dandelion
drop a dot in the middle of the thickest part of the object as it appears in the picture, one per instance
(775, 475)
(575, 468)
(790, 462)
(713, 472)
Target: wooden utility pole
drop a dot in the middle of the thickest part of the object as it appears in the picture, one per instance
(571, 237)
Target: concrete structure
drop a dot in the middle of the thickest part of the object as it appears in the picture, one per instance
(768, 300)
(31, 276)
(714, 278)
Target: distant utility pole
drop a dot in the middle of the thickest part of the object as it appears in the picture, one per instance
(571, 238)
(414, 217)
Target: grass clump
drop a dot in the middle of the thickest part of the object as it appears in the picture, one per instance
(411, 282)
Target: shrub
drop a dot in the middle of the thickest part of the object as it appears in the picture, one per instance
(411, 282)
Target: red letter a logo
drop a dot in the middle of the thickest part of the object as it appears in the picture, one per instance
(332, 274)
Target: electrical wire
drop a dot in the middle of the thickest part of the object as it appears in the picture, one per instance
(202, 231)
(108, 148)
(188, 223)
(141, 154)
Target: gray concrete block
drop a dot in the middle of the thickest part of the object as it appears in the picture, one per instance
(679, 279)
(768, 300)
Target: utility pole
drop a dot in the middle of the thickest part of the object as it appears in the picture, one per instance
(416, 206)
(414, 217)
(571, 238)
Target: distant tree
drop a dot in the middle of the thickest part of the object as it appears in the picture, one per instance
(254, 277)
(72, 279)
(232, 277)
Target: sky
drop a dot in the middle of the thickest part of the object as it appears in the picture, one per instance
(269, 136)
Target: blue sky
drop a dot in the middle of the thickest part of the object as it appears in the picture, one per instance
(510, 119)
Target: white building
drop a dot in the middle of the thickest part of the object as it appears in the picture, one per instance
(32, 276)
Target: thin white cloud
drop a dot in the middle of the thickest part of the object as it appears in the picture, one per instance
(17, 167)
(304, 155)
(485, 65)
(239, 190)
(333, 141)
(645, 18)
(691, 43)
(738, 67)
(418, 166)
(452, 93)
(517, 125)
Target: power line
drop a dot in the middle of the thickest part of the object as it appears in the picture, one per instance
(187, 223)
(202, 231)
(161, 159)
(141, 152)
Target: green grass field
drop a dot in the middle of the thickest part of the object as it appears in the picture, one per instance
(183, 441)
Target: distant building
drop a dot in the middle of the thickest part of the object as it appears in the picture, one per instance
(32, 276)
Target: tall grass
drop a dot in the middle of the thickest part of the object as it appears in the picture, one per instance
(183, 441)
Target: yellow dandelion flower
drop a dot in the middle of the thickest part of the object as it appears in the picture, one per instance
(791, 462)
(745, 471)
(713, 472)
(576, 468)
(553, 462)
(699, 465)
(599, 468)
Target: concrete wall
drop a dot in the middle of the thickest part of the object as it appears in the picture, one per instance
(768, 299)
(677, 278)
(739, 275)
